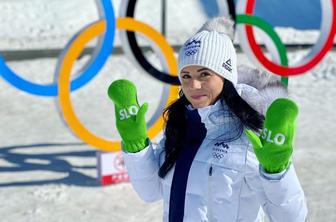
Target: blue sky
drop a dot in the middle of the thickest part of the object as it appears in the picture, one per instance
(299, 14)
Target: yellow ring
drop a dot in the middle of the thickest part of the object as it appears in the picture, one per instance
(73, 53)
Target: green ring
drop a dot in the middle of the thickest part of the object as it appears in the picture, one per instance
(268, 29)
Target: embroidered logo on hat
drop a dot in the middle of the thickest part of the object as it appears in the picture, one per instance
(211, 47)
(192, 47)
(227, 65)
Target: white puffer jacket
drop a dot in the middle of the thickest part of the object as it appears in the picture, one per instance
(223, 181)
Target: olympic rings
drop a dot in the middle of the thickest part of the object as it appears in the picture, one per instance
(72, 54)
(323, 45)
(328, 22)
(217, 155)
(191, 52)
(167, 59)
(91, 70)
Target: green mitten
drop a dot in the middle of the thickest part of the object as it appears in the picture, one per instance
(274, 147)
(130, 118)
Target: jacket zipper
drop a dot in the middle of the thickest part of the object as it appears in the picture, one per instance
(210, 194)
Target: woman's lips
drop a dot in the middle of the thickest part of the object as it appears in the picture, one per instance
(197, 96)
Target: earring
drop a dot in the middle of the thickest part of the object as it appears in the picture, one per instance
(181, 93)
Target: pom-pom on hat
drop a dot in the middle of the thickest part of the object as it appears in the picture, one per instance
(212, 48)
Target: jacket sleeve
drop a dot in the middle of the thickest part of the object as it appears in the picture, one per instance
(283, 198)
(143, 170)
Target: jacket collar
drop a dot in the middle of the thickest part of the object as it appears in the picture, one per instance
(217, 115)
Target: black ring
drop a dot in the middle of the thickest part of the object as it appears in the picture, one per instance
(232, 10)
(141, 59)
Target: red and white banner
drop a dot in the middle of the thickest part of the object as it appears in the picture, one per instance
(111, 168)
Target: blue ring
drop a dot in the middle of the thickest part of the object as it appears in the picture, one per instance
(52, 89)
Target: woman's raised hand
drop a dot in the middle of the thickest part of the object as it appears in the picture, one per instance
(130, 117)
(274, 147)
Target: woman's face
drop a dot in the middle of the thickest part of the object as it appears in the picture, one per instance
(200, 85)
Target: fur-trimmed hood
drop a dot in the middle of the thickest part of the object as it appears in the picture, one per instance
(259, 88)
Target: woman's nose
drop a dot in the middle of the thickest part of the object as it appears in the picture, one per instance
(195, 84)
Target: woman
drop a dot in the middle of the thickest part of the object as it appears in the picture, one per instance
(206, 168)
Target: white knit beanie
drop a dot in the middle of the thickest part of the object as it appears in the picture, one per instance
(212, 47)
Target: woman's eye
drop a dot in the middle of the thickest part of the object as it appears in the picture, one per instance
(185, 76)
(204, 74)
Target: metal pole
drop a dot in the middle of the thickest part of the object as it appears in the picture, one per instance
(163, 17)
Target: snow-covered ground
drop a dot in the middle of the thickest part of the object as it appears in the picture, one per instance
(47, 174)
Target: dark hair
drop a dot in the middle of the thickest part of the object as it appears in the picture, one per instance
(175, 130)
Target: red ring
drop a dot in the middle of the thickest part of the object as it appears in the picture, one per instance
(283, 70)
